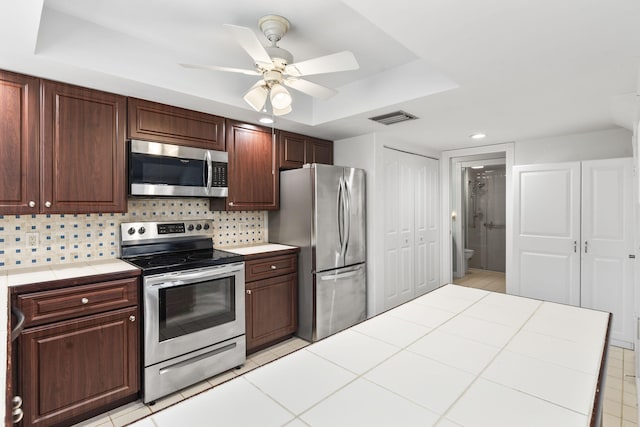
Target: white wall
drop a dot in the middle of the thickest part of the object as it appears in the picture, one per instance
(606, 144)
(366, 152)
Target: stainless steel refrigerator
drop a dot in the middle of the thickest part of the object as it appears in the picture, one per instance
(322, 210)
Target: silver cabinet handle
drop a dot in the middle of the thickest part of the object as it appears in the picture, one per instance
(32, 204)
(273, 267)
(132, 318)
(17, 415)
(248, 291)
(47, 204)
(17, 402)
(84, 300)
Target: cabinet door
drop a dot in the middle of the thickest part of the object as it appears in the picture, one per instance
(71, 368)
(607, 270)
(271, 310)
(319, 151)
(291, 149)
(546, 232)
(83, 150)
(18, 143)
(253, 178)
(163, 123)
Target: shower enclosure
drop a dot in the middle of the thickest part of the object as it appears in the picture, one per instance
(484, 213)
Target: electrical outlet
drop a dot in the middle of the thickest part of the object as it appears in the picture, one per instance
(32, 240)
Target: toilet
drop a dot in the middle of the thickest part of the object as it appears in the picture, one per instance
(468, 253)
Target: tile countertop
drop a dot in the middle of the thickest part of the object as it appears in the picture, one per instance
(454, 357)
(259, 249)
(28, 275)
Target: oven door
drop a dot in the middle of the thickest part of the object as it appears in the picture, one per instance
(192, 309)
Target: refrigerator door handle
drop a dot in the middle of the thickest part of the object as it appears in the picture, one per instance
(340, 275)
(340, 215)
(343, 218)
(347, 205)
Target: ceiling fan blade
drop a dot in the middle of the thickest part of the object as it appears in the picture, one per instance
(249, 42)
(228, 69)
(310, 88)
(341, 61)
(257, 95)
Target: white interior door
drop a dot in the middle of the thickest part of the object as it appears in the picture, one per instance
(607, 243)
(547, 232)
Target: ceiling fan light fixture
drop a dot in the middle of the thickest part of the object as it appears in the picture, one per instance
(281, 111)
(280, 97)
(256, 97)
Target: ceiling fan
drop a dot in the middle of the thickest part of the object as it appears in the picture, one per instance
(277, 68)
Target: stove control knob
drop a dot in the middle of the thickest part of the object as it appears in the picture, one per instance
(190, 227)
(131, 231)
(141, 230)
(206, 226)
(199, 227)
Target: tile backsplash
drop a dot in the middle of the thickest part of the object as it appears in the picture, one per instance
(66, 238)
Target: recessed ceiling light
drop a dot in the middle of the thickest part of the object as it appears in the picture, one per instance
(477, 167)
(478, 136)
(266, 120)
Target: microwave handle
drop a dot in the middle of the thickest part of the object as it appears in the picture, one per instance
(209, 172)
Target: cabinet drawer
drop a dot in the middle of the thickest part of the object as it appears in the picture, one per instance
(270, 267)
(60, 304)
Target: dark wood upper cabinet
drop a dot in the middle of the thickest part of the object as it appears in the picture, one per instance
(319, 151)
(295, 150)
(151, 121)
(253, 175)
(19, 104)
(83, 150)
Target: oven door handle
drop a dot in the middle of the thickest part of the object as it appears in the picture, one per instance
(194, 277)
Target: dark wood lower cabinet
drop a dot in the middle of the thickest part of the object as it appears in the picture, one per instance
(74, 369)
(271, 310)
(271, 300)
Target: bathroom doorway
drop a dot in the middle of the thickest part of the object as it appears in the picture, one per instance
(484, 216)
(454, 215)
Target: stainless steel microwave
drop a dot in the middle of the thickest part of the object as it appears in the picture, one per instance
(158, 169)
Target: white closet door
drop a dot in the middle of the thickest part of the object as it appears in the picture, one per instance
(547, 232)
(607, 242)
(427, 248)
(398, 229)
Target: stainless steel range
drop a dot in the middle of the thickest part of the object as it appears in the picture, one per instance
(193, 301)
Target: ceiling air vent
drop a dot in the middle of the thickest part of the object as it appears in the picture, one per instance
(395, 117)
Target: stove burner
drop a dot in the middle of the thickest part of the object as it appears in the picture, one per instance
(167, 260)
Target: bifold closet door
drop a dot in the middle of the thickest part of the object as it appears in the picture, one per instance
(427, 207)
(547, 232)
(607, 242)
(411, 226)
(398, 229)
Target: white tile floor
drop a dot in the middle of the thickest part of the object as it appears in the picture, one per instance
(620, 408)
(300, 388)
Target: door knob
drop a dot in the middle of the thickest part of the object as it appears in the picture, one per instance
(47, 204)
(132, 318)
(230, 203)
(84, 300)
(248, 291)
(32, 204)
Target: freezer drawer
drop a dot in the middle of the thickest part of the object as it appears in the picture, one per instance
(340, 300)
